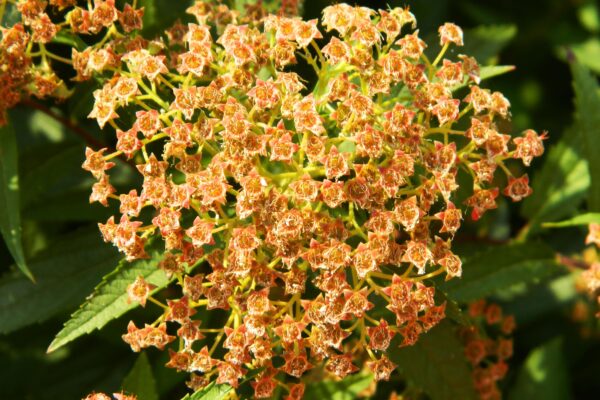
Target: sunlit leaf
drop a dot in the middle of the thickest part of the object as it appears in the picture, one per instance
(582, 219)
(345, 389)
(109, 300)
(210, 392)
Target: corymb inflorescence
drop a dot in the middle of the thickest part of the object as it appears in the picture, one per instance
(299, 178)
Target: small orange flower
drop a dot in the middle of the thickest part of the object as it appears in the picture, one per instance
(518, 188)
(139, 290)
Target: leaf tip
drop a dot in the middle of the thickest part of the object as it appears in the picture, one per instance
(27, 273)
(55, 345)
(51, 348)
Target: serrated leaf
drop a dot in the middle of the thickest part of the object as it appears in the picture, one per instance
(583, 219)
(436, 364)
(485, 42)
(544, 374)
(345, 389)
(560, 185)
(109, 299)
(140, 380)
(499, 268)
(65, 273)
(587, 106)
(10, 213)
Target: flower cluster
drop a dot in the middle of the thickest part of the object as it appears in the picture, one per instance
(488, 347)
(25, 61)
(310, 217)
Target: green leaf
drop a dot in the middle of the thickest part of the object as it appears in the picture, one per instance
(10, 214)
(436, 364)
(583, 219)
(65, 273)
(485, 42)
(140, 381)
(109, 300)
(587, 106)
(211, 392)
(587, 53)
(346, 389)
(499, 268)
(544, 374)
(487, 73)
(492, 71)
(560, 185)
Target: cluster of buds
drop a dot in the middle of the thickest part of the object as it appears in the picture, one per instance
(314, 219)
(488, 347)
